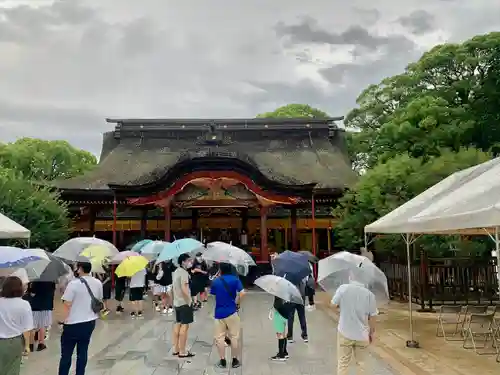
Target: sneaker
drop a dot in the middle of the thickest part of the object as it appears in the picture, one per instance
(164, 311)
(170, 311)
(120, 309)
(311, 307)
(105, 312)
(157, 308)
(290, 340)
(305, 338)
(235, 363)
(132, 315)
(287, 355)
(278, 358)
(41, 347)
(221, 364)
(139, 314)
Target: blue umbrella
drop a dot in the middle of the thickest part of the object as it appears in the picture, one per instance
(173, 250)
(140, 245)
(13, 257)
(292, 266)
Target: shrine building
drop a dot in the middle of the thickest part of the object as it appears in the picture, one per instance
(262, 184)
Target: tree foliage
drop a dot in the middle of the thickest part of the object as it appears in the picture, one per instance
(413, 129)
(295, 111)
(34, 207)
(40, 160)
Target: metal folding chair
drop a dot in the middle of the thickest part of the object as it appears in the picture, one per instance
(472, 309)
(478, 328)
(449, 316)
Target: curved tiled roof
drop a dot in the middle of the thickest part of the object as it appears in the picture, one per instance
(297, 154)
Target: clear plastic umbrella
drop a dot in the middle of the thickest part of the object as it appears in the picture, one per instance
(152, 249)
(12, 258)
(280, 287)
(120, 257)
(344, 267)
(72, 249)
(226, 253)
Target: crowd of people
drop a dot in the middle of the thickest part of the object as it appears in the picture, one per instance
(26, 311)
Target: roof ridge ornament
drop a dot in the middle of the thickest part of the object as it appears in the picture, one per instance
(213, 136)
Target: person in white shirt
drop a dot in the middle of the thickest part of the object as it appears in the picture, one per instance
(356, 328)
(16, 322)
(80, 319)
(137, 284)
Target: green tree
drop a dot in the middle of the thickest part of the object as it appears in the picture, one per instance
(34, 207)
(39, 160)
(389, 185)
(295, 111)
(447, 99)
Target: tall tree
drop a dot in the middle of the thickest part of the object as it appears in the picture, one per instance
(40, 160)
(449, 98)
(34, 207)
(389, 185)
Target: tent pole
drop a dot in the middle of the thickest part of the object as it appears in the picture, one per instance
(497, 249)
(410, 343)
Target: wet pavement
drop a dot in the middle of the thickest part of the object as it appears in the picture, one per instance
(122, 346)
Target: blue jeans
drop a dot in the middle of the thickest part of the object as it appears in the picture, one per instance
(75, 335)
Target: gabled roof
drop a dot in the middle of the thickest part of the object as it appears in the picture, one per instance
(289, 152)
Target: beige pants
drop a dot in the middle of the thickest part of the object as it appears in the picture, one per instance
(230, 326)
(349, 351)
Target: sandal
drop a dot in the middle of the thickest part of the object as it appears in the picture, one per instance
(187, 355)
(175, 354)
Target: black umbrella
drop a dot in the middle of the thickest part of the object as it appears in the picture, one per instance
(48, 271)
(311, 257)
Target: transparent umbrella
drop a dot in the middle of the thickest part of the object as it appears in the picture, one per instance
(344, 267)
(280, 287)
(74, 248)
(48, 268)
(222, 252)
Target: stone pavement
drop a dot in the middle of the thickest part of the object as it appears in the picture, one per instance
(122, 346)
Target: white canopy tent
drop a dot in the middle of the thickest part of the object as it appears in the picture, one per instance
(467, 202)
(9, 229)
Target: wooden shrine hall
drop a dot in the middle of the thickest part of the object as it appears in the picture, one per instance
(262, 184)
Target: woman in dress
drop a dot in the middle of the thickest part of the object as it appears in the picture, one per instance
(16, 322)
(41, 299)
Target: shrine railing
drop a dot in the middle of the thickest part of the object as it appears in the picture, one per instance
(444, 284)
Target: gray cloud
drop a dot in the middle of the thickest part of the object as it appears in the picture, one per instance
(66, 65)
(418, 22)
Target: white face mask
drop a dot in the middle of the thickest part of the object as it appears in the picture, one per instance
(199, 259)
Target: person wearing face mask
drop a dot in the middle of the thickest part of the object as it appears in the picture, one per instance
(183, 308)
(199, 280)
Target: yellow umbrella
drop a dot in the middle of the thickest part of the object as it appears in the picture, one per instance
(131, 265)
(98, 252)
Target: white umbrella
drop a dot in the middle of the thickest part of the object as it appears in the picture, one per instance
(344, 267)
(226, 253)
(280, 287)
(72, 249)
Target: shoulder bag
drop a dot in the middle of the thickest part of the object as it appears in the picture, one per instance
(96, 305)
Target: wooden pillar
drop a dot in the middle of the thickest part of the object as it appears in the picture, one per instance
(293, 218)
(144, 223)
(168, 218)
(264, 251)
(92, 214)
(244, 220)
(115, 213)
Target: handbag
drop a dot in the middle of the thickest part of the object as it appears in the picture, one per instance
(95, 304)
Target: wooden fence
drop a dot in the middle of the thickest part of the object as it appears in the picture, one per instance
(444, 284)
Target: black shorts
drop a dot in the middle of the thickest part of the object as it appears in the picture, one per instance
(136, 294)
(106, 291)
(184, 314)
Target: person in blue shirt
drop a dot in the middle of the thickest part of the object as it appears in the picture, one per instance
(228, 291)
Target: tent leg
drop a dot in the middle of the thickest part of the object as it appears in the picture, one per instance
(410, 343)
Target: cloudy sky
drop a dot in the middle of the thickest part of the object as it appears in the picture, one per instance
(65, 65)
